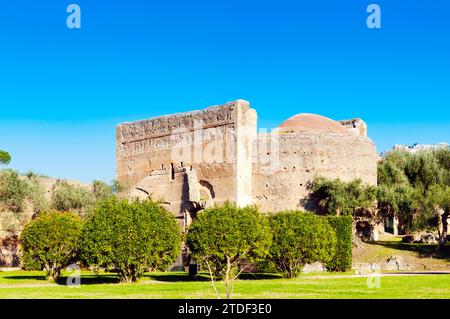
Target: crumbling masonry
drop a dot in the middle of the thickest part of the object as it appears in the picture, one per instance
(195, 159)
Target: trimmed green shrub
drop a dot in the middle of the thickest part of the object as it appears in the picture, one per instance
(300, 238)
(224, 236)
(132, 237)
(342, 259)
(50, 242)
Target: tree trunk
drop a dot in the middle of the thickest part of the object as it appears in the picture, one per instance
(211, 276)
(227, 278)
(445, 216)
(443, 234)
(53, 272)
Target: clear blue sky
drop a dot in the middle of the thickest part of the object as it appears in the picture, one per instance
(63, 91)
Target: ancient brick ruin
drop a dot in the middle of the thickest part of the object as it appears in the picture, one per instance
(195, 159)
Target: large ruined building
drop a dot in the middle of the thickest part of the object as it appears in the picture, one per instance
(195, 159)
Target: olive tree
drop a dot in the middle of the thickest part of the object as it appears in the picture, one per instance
(223, 236)
(414, 187)
(13, 191)
(300, 238)
(131, 236)
(336, 197)
(69, 197)
(50, 242)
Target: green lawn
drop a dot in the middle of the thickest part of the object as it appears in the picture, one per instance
(23, 284)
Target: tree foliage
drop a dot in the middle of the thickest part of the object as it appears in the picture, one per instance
(224, 236)
(13, 191)
(101, 190)
(50, 242)
(20, 192)
(5, 158)
(300, 238)
(415, 194)
(336, 197)
(36, 193)
(69, 197)
(131, 236)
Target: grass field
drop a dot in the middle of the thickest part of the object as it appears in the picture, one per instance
(23, 284)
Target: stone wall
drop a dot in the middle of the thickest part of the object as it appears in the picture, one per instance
(192, 160)
(288, 163)
(189, 160)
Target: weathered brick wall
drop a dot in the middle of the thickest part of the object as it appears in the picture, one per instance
(186, 158)
(284, 170)
(222, 158)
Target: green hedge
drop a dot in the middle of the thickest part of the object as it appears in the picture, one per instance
(342, 260)
(300, 238)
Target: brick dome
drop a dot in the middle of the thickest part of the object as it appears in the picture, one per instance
(311, 123)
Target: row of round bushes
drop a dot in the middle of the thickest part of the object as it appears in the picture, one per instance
(134, 237)
(130, 237)
(223, 237)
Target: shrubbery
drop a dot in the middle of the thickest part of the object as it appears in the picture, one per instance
(224, 236)
(36, 193)
(300, 238)
(101, 190)
(336, 197)
(132, 237)
(342, 259)
(50, 242)
(13, 191)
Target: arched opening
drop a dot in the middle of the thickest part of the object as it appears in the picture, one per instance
(364, 230)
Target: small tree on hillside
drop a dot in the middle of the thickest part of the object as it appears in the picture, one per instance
(132, 237)
(5, 158)
(300, 238)
(36, 193)
(101, 190)
(224, 236)
(69, 197)
(13, 191)
(50, 242)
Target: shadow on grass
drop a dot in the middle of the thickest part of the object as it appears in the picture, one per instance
(37, 277)
(92, 279)
(176, 277)
(112, 278)
(184, 277)
(258, 276)
(85, 279)
(422, 250)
